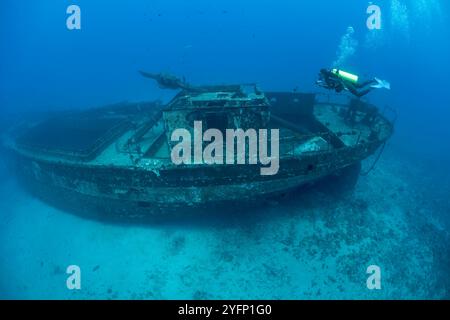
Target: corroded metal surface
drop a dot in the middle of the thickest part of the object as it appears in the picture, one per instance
(135, 173)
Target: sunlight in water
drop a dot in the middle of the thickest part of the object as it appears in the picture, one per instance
(347, 48)
(400, 19)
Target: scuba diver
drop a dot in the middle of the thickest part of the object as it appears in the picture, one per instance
(339, 80)
(168, 81)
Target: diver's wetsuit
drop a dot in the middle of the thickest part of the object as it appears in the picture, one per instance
(332, 81)
(167, 81)
(353, 87)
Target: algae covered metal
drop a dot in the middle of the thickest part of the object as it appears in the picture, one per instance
(118, 160)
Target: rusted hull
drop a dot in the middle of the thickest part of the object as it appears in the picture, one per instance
(100, 191)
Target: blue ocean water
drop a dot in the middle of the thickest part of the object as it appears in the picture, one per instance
(315, 246)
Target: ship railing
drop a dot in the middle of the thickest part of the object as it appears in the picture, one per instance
(131, 146)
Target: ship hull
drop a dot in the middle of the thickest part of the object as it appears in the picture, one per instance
(109, 192)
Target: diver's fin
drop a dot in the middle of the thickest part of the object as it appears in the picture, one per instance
(148, 75)
(381, 84)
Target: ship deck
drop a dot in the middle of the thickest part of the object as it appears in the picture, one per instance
(122, 140)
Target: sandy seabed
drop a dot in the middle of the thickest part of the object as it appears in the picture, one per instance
(314, 245)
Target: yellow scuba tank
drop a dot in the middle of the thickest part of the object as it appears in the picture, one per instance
(345, 75)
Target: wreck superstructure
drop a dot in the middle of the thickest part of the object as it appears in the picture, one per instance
(116, 161)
